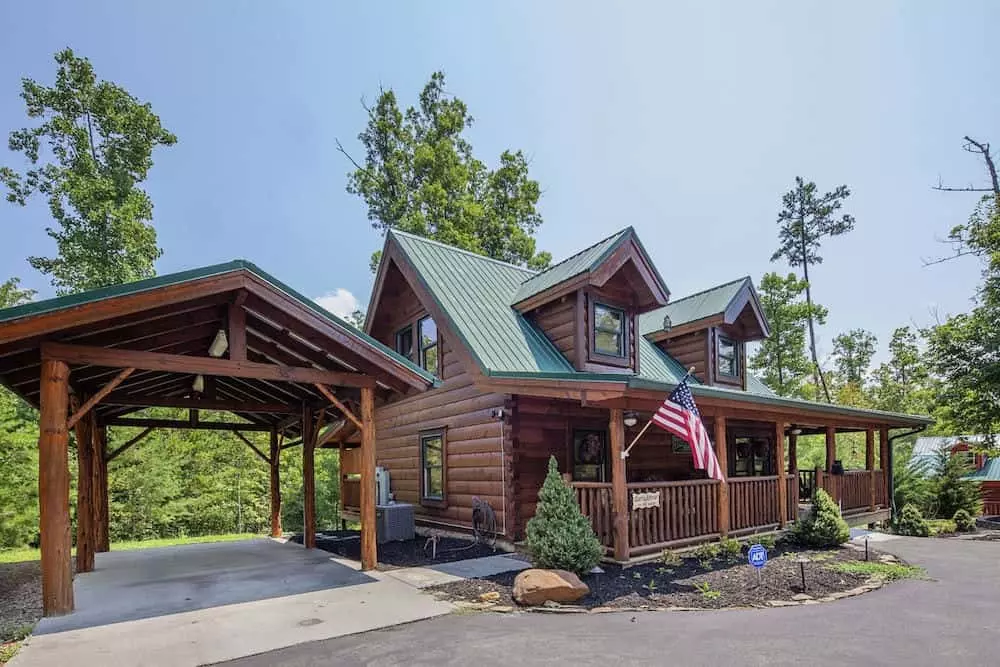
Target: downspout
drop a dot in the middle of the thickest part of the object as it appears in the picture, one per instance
(890, 469)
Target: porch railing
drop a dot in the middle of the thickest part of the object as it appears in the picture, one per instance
(351, 498)
(881, 492)
(753, 502)
(685, 510)
(852, 490)
(807, 484)
(792, 496)
(594, 499)
(991, 508)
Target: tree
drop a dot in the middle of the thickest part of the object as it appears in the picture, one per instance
(420, 175)
(952, 491)
(559, 536)
(902, 384)
(853, 352)
(99, 142)
(12, 295)
(805, 220)
(781, 358)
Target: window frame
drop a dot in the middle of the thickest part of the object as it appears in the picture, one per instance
(425, 499)
(737, 370)
(421, 351)
(599, 356)
(408, 329)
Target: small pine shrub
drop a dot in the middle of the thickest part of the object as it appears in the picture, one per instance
(559, 536)
(911, 522)
(767, 541)
(824, 527)
(730, 549)
(964, 521)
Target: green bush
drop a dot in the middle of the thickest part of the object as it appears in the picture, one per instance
(559, 536)
(730, 548)
(941, 526)
(911, 522)
(824, 527)
(964, 521)
(766, 541)
(952, 491)
(670, 558)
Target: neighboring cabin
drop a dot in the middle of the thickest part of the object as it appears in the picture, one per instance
(571, 362)
(986, 470)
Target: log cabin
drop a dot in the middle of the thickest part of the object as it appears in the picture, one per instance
(985, 468)
(571, 362)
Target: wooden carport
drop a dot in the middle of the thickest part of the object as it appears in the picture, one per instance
(222, 338)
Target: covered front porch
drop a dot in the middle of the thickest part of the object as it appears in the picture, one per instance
(655, 499)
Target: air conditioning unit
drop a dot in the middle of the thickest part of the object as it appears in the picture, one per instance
(394, 522)
(382, 486)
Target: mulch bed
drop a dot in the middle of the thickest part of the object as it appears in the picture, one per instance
(656, 585)
(409, 553)
(20, 598)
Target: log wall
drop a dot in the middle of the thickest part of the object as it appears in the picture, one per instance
(557, 320)
(690, 350)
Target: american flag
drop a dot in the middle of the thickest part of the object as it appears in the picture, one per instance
(679, 415)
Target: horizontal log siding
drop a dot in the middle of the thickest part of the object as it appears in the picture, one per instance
(557, 320)
(473, 445)
(687, 510)
(753, 502)
(690, 350)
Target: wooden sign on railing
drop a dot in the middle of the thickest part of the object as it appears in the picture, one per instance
(645, 500)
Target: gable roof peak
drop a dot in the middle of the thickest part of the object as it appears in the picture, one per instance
(452, 248)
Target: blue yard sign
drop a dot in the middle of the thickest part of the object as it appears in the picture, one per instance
(757, 556)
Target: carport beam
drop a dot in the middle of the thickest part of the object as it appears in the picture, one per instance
(53, 489)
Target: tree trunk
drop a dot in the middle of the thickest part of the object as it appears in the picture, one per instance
(817, 373)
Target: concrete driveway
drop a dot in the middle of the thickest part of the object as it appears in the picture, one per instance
(949, 620)
(201, 603)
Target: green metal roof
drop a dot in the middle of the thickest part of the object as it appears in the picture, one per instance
(475, 294)
(35, 308)
(584, 261)
(698, 306)
(990, 472)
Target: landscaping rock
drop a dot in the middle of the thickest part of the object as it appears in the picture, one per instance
(802, 597)
(535, 587)
(490, 596)
(782, 603)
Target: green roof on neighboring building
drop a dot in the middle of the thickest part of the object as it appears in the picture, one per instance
(990, 472)
(698, 306)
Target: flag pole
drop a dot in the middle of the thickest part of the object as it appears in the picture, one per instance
(650, 421)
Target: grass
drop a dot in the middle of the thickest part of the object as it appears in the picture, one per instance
(25, 554)
(11, 641)
(885, 571)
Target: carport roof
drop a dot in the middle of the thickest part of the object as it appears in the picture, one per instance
(181, 314)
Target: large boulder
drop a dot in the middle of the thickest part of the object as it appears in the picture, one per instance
(534, 586)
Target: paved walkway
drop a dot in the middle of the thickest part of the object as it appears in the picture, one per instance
(196, 604)
(949, 620)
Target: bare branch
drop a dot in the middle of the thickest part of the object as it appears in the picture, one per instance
(942, 260)
(942, 188)
(340, 147)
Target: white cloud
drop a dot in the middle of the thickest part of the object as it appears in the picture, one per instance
(340, 302)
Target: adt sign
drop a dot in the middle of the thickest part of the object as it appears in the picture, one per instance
(757, 556)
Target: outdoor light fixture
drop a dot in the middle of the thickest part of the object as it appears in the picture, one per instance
(631, 418)
(795, 430)
(219, 345)
(198, 386)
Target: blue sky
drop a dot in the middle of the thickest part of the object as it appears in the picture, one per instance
(686, 121)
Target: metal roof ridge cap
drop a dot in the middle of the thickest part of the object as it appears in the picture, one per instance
(446, 246)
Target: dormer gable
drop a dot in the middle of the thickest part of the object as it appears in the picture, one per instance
(709, 331)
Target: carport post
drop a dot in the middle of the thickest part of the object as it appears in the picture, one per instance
(308, 480)
(369, 550)
(101, 498)
(275, 461)
(53, 489)
(86, 483)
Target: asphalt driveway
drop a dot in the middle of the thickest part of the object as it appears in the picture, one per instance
(951, 619)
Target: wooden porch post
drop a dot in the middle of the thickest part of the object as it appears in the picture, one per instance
(619, 493)
(369, 549)
(883, 460)
(722, 453)
(308, 480)
(275, 462)
(779, 455)
(793, 455)
(101, 509)
(86, 523)
(831, 456)
(53, 489)
(870, 466)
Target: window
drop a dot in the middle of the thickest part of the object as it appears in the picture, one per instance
(752, 457)
(432, 459)
(729, 358)
(404, 342)
(428, 334)
(609, 324)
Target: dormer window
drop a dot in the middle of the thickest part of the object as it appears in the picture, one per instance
(729, 358)
(609, 331)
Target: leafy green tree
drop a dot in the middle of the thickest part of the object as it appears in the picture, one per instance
(903, 383)
(559, 536)
(781, 359)
(98, 142)
(952, 491)
(419, 175)
(911, 480)
(805, 220)
(852, 353)
(11, 293)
